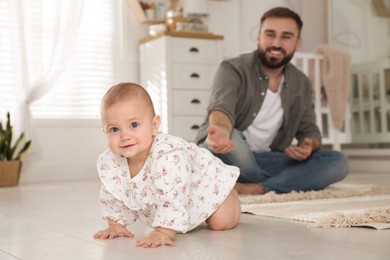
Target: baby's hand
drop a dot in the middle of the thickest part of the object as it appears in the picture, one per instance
(157, 238)
(113, 231)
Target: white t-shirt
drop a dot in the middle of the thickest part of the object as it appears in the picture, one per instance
(262, 131)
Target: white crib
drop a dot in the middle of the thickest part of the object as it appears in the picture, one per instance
(370, 102)
(310, 64)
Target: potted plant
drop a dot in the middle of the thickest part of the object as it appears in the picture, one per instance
(10, 154)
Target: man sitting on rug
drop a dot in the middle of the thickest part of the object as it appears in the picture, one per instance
(259, 104)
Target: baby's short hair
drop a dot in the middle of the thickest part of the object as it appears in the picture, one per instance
(123, 91)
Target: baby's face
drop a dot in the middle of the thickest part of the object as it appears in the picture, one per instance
(130, 127)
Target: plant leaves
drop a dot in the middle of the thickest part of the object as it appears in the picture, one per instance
(7, 151)
(23, 150)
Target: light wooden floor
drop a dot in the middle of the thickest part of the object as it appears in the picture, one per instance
(53, 221)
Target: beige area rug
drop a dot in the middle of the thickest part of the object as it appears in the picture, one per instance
(339, 205)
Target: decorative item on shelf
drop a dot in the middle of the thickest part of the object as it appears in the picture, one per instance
(148, 9)
(174, 15)
(10, 164)
(197, 15)
(160, 11)
(148, 12)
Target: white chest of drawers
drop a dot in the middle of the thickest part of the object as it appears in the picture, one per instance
(178, 72)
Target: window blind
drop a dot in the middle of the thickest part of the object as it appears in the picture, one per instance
(87, 76)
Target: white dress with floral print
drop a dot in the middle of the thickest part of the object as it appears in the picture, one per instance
(179, 186)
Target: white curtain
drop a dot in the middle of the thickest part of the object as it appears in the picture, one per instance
(47, 31)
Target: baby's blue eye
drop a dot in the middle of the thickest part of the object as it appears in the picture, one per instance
(134, 125)
(114, 129)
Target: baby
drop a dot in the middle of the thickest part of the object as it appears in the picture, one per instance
(163, 181)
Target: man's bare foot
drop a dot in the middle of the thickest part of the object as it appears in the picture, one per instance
(249, 188)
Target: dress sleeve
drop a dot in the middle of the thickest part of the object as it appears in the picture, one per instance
(115, 209)
(171, 179)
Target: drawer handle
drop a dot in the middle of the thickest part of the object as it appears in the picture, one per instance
(195, 101)
(194, 49)
(194, 127)
(194, 75)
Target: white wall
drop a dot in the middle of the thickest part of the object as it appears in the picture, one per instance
(355, 27)
(64, 150)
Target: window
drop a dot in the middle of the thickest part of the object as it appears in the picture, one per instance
(90, 70)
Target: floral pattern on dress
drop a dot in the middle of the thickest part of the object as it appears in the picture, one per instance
(179, 186)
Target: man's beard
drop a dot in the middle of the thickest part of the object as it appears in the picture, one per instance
(273, 63)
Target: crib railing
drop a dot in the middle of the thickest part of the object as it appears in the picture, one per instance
(370, 102)
(310, 64)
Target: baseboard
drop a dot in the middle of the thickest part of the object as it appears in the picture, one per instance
(368, 160)
(369, 164)
(56, 172)
(368, 152)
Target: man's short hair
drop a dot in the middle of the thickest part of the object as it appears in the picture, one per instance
(283, 12)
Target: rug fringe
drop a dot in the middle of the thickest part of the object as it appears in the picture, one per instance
(378, 215)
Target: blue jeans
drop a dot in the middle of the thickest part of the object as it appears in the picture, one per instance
(276, 172)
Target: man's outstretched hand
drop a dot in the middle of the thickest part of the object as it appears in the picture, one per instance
(218, 140)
